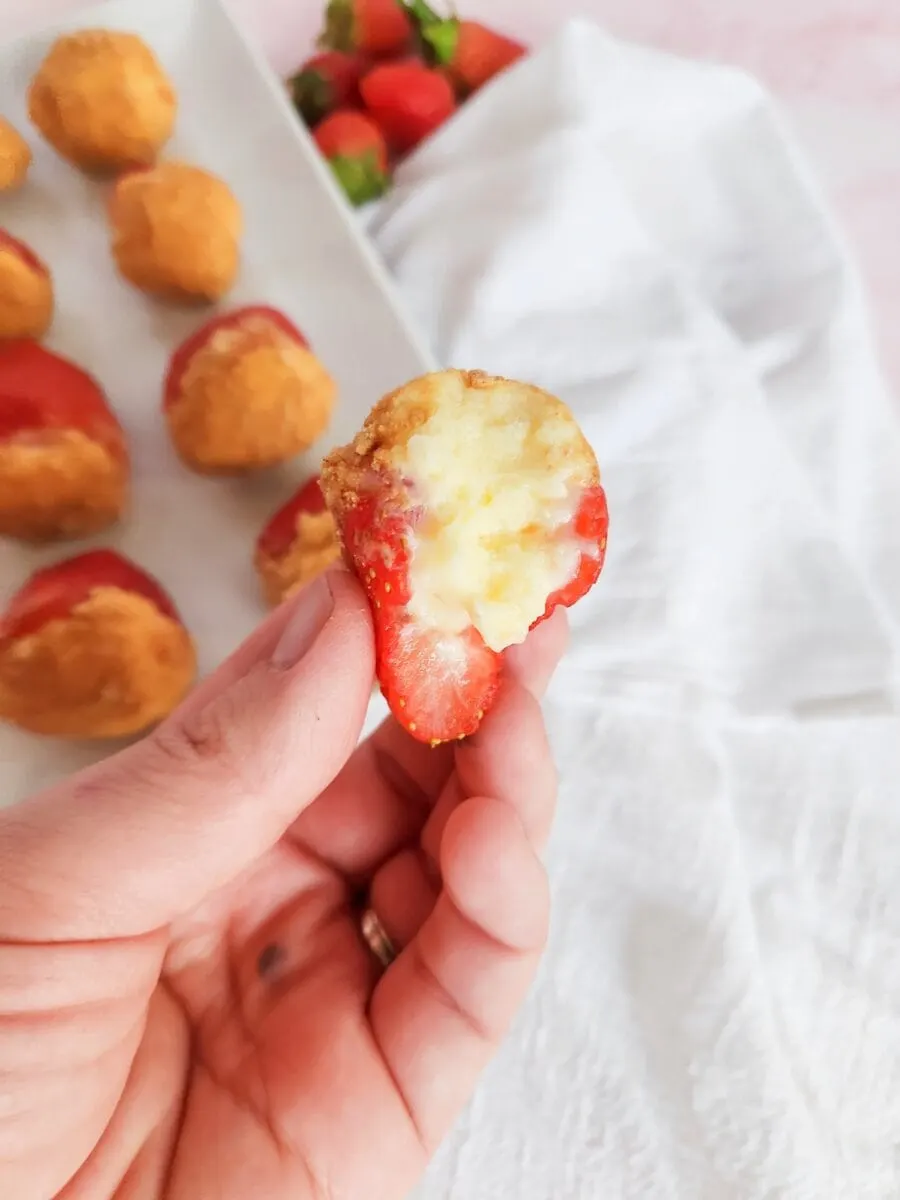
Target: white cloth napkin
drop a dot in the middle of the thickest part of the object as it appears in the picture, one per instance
(718, 1016)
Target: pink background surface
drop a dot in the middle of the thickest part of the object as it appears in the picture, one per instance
(834, 65)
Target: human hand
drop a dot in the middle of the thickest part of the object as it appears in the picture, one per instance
(187, 1007)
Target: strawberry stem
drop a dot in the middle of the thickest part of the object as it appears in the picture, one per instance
(338, 32)
(360, 177)
(421, 13)
(443, 38)
(311, 94)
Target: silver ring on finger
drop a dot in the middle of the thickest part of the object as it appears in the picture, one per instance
(376, 937)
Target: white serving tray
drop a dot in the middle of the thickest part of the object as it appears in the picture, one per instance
(303, 252)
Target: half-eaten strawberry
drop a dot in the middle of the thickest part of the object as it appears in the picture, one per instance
(298, 544)
(470, 507)
(64, 467)
(92, 648)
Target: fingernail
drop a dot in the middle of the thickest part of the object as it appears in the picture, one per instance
(311, 609)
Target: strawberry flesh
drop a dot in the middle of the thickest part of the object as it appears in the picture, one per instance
(376, 540)
(439, 686)
(52, 594)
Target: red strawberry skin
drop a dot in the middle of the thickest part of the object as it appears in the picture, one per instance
(325, 83)
(299, 542)
(27, 255)
(84, 655)
(53, 593)
(184, 355)
(355, 147)
(43, 391)
(591, 526)
(480, 54)
(277, 537)
(64, 464)
(470, 51)
(377, 28)
(409, 101)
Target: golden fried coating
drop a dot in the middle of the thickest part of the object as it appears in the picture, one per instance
(15, 157)
(314, 548)
(102, 100)
(59, 484)
(111, 668)
(176, 231)
(249, 396)
(26, 292)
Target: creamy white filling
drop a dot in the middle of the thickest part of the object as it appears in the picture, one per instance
(500, 478)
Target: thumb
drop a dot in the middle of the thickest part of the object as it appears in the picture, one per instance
(127, 845)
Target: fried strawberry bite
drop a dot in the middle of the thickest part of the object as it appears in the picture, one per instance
(26, 291)
(64, 466)
(15, 157)
(245, 391)
(470, 507)
(92, 648)
(102, 100)
(176, 231)
(299, 543)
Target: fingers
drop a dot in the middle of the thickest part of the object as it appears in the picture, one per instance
(382, 799)
(509, 758)
(378, 802)
(532, 664)
(440, 1012)
(133, 842)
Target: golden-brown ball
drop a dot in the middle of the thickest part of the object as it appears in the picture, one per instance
(103, 101)
(176, 231)
(15, 157)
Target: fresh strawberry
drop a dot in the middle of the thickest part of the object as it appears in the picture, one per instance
(26, 295)
(377, 28)
(460, 501)
(473, 52)
(356, 150)
(52, 594)
(326, 82)
(63, 459)
(92, 648)
(298, 543)
(408, 100)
